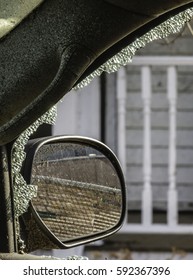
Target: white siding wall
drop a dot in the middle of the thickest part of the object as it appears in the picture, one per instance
(167, 112)
(79, 112)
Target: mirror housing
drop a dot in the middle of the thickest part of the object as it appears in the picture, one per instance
(81, 193)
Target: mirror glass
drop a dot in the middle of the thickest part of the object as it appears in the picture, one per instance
(79, 191)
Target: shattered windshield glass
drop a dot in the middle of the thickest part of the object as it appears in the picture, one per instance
(24, 193)
(171, 26)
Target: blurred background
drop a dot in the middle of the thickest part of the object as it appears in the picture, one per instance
(144, 113)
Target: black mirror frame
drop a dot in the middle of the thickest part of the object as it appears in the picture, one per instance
(31, 149)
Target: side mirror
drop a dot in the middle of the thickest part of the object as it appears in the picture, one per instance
(81, 189)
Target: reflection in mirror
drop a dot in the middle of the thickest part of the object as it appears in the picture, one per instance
(79, 191)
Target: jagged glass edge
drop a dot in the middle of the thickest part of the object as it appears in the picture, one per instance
(23, 193)
(170, 26)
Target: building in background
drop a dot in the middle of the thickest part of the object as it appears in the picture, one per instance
(145, 114)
